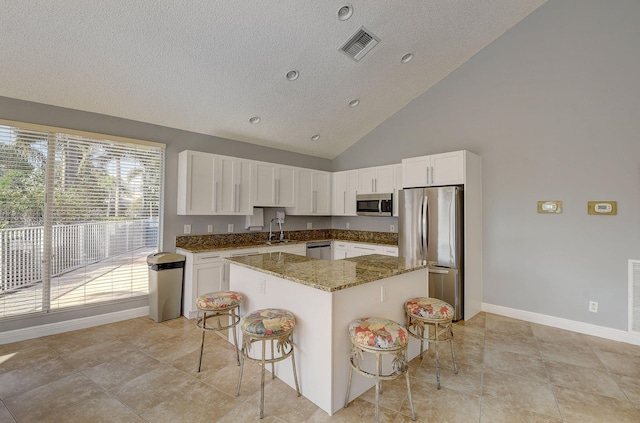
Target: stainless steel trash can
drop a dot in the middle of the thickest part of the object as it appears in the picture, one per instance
(166, 273)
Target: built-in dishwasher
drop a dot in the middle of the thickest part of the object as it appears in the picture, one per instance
(319, 249)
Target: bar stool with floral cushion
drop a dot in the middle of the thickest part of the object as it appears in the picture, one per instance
(270, 324)
(223, 305)
(424, 313)
(381, 337)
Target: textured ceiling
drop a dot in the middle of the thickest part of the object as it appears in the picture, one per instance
(208, 66)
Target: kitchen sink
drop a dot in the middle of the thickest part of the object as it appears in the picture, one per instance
(278, 241)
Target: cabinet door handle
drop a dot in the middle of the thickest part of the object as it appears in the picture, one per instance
(344, 202)
(355, 247)
(215, 198)
(208, 257)
(237, 203)
(315, 201)
(277, 191)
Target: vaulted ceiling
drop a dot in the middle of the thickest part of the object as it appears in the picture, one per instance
(210, 66)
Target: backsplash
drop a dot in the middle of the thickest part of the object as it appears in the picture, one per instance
(256, 238)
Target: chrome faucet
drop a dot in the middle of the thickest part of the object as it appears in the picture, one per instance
(270, 231)
(271, 234)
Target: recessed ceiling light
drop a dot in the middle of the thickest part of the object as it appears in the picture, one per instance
(354, 103)
(254, 119)
(345, 12)
(292, 75)
(407, 58)
(316, 137)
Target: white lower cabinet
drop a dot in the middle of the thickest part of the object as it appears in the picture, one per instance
(356, 250)
(339, 250)
(344, 249)
(390, 250)
(203, 272)
(209, 272)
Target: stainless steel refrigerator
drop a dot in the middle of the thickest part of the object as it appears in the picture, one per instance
(430, 228)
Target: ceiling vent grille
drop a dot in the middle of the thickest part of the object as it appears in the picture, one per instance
(359, 44)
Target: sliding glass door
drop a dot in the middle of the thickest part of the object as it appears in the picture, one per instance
(78, 216)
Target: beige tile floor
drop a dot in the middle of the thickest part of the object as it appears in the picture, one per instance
(141, 371)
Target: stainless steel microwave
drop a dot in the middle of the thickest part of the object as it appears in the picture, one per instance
(374, 204)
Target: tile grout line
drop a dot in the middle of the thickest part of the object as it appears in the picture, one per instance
(546, 370)
(484, 353)
(609, 372)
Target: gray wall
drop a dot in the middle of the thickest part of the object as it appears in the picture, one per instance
(553, 108)
(176, 141)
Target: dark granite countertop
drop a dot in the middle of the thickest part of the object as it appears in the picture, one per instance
(328, 275)
(206, 243)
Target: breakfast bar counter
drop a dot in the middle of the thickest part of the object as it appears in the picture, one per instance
(325, 296)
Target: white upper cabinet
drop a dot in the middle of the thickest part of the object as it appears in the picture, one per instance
(314, 193)
(196, 183)
(397, 179)
(233, 184)
(433, 170)
(273, 185)
(344, 187)
(209, 184)
(379, 179)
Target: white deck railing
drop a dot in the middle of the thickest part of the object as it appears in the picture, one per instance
(73, 246)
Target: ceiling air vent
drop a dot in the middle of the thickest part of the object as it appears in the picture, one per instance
(359, 44)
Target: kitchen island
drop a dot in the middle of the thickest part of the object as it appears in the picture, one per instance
(325, 296)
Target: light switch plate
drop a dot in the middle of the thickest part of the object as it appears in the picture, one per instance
(602, 207)
(187, 229)
(230, 227)
(550, 206)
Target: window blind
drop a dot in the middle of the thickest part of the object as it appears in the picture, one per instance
(78, 216)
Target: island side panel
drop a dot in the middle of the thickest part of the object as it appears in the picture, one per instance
(366, 301)
(312, 334)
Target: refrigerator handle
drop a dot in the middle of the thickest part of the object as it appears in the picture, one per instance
(426, 226)
(424, 221)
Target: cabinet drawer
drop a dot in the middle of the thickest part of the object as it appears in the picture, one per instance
(391, 251)
(207, 258)
(364, 249)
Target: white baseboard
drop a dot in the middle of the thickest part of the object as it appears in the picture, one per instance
(560, 323)
(69, 325)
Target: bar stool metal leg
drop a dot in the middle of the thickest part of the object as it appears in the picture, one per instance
(380, 337)
(425, 314)
(280, 324)
(220, 304)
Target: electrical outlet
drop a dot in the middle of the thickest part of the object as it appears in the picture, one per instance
(593, 306)
(383, 293)
(347, 225)
(392, 228)
(263, 286)
(230, 227)
(209, 228)
(309, 225)
(187, 229)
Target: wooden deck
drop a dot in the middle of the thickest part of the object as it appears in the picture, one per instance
(119, 277)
